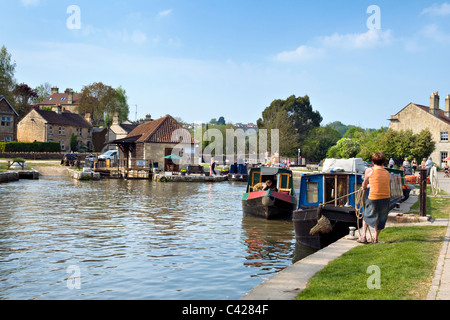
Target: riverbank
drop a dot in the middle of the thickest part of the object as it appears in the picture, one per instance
(292, 281)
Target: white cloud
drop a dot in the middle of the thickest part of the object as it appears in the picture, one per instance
(165, 13)
(369, 39)
(438, 10)
(30, 3)
(301, 54)
(433, 32)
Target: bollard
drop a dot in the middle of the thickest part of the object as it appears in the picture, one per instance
(423, 192)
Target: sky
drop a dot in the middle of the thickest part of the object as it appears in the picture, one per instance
(359, 61)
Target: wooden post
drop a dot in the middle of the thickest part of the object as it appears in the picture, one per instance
(423, 192)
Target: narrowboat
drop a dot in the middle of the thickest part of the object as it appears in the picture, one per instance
(238, 172)
(333, 194)
(276, 203)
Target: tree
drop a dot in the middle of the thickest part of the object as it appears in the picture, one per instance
(44, 91)
(345, 148)
(7, 69)
(320, 139)
(221, 121)
(103, 101)
(23, 94)
(294, 118)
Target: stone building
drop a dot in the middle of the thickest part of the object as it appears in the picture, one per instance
(68, 100)
(49, 126)
(8, 121)
(153, 141)
(417, 117)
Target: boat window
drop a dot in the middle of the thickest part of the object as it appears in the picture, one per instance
(312, 192)
(336, 187)
(256, 178)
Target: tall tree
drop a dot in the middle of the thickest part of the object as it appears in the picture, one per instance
(100, 100)
(294, 117)
(315, 147)
(23, 95)
(44, 91)
(7, 69)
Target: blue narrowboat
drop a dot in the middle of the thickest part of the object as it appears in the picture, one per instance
(333, 195)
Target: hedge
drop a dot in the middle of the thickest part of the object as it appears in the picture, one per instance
(30, 147)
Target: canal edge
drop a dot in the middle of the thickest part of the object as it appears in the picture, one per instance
(288, 283)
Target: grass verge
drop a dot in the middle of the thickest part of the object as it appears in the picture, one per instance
(405, 258)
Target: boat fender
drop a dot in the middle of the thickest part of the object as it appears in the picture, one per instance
(268, 200)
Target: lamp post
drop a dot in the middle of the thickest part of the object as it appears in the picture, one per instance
(299, 156)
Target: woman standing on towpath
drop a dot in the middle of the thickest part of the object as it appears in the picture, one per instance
(377, 206)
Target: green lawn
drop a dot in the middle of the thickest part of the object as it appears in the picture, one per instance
(406, 259)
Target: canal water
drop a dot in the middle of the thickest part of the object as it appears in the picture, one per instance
(140, 240)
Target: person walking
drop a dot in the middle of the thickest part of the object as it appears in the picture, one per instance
(414, 165)
(377, 208)
(391, 163)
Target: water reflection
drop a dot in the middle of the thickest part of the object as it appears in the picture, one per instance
(135, 240)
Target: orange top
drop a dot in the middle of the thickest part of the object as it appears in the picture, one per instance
(379, 181)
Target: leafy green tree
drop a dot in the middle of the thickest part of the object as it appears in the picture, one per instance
(7, 80)
(294, 118)
(345, 148)
(315, 147)
(44, 91)
(103, 101)
(23, 95)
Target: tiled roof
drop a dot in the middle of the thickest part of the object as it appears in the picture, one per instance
(65, 118)
(160, 131)
(7, 102)
(61, 98)
(441, 113)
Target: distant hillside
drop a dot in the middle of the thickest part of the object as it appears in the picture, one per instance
(342, 128)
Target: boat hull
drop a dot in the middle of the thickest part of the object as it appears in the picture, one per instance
(269, 205)
(307, 219)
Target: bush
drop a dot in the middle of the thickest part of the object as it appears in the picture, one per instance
(30, 147)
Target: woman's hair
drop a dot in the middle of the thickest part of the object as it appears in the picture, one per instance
(378, 158)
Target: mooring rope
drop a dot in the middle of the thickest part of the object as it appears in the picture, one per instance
(360, 203)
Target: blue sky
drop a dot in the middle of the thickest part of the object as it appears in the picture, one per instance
(198, 59)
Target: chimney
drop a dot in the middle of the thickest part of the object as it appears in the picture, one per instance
(148, 118)
(70, 96)
(55, 90)
(116, 118)
(447, 106)
(434, 103)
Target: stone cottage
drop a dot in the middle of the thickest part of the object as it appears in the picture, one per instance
(152, 141)
(49, 126)
(417, 117)
(68, 100)
(8, 118)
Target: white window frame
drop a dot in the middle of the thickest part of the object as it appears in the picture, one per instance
(444, 136)
(62, 131)
(6, 121)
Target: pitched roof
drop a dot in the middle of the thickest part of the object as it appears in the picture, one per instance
(65, 118)
(441, 115)
(9, 104)
(61, 99)
(160, 131)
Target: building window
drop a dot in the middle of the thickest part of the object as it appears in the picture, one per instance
(89, 133)
(444, 136)
(6, 122)
(444, 154)
(80, 132)
(63, 146)
(50, 130)
(8, 139)
(62, 131)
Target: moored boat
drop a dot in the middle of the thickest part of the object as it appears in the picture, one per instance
(276, 203)
(335, 195)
